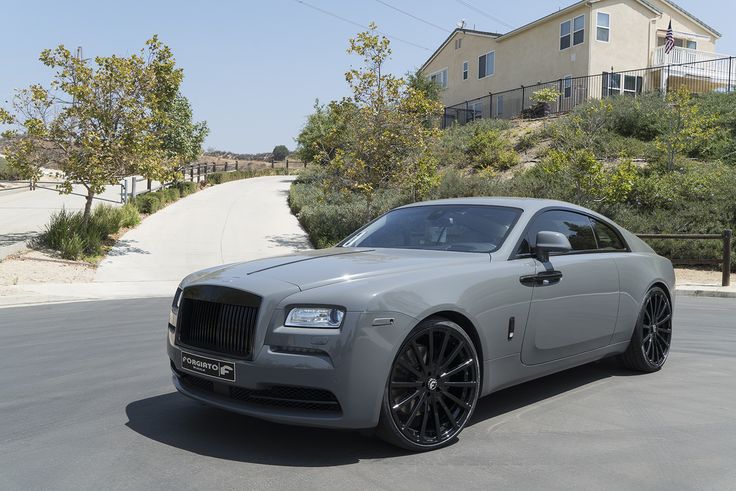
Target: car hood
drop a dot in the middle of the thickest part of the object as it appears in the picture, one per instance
(327, 266)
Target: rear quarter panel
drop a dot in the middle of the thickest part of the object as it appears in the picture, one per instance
(638, 272)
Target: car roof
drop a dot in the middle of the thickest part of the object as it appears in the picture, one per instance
(529, 205)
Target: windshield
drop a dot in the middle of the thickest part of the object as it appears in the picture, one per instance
(462, 228)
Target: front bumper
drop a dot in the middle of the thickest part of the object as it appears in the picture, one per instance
(352, 363)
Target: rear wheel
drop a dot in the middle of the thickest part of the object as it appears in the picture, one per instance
(432, 389)
(650, 342)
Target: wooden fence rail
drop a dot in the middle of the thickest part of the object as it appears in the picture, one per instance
(725, 261)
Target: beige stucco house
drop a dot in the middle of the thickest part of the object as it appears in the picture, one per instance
(589, 38)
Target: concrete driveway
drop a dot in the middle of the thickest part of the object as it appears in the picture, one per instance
(235, 221)
(23, 214)
(86, 402)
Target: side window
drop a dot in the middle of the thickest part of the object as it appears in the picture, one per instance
(574, 226)
(608, 239)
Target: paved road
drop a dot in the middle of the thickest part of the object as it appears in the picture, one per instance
(235, 221)
(86, 403)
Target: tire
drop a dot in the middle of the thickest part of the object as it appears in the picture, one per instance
(652, 336)
(432, 388)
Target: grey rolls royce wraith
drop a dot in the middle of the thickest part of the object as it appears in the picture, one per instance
(407, 322)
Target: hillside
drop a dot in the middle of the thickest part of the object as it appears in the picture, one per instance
(653, 165)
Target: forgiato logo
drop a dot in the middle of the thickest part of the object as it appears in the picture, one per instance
(214, 368)
(201, 363)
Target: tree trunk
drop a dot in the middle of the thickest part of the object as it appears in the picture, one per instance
(88, 204)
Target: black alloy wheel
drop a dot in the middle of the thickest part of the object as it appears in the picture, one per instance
(433, 387)
(650, 343)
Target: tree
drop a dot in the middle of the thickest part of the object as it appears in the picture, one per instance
(685, 128)
(419, 82)
(387, 138)
(181, 137)
(280, 152)
(321, 136)
(99, 121)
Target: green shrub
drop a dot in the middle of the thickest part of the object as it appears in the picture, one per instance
(106, 220)
(329, 217)
(129, 216)
(169, 195)
(455, 183)
(75, 237)
(489, 149)
(6, 173)
(71, 247)
(147, 203)
(216, 178)
(186, 188)
(222, 177)
(528, 140)
(723, 145)
(638, 117)
(61, 226)
(452, 147)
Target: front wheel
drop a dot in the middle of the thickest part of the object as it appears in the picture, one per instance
(650, 342)
(432, 389)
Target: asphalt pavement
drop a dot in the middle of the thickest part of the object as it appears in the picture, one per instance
(86, 402)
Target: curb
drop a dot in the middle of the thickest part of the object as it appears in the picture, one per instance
(713, 292)
(11, 249)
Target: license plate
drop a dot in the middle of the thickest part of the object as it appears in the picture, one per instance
(224, 370)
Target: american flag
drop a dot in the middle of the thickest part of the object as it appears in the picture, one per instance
(669, 40)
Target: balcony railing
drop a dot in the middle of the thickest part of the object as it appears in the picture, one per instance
(682, 55)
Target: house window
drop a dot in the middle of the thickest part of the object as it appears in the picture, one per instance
(458, 43)
(499, 106)
(632, 85)
(465, 70)
(567, 86)
(487, 64)
(603, 27)
(692, 45)
(578, 30)
(440, 78)
(615, 84)
(565, 30)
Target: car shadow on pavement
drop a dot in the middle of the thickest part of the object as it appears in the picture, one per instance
(529, 393)
(175, 420)
(180, 422)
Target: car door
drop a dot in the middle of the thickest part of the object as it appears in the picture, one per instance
(577, 312)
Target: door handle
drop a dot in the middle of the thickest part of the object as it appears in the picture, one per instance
(541, 279)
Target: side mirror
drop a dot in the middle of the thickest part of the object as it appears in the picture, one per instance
(550, 242)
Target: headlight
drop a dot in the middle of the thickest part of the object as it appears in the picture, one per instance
(326, 317)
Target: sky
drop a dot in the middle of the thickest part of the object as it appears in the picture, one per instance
(253, 69)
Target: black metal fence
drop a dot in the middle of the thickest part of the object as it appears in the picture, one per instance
(699, 77)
